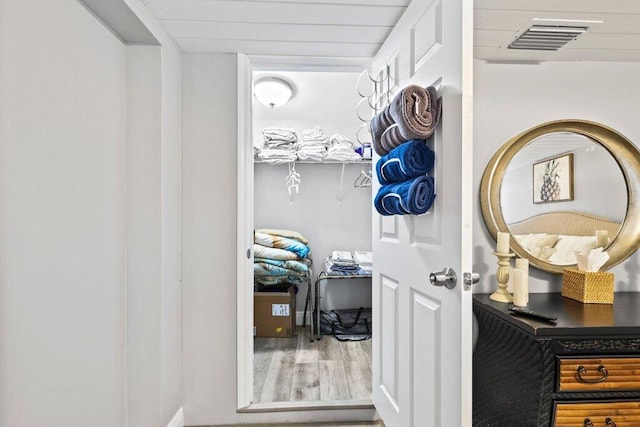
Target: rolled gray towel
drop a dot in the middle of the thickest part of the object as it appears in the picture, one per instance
(413, 113)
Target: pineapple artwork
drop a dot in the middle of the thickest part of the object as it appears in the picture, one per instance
(550, 189)
(553, 179)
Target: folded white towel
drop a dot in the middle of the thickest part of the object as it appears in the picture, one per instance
(341, 140)
(279, 134)
(363, 258)
(340, 154)
(341, 149)
(276, 156)
(344, 257)
(314, 133)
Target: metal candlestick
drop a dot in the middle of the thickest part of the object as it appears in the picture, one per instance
(502, 275)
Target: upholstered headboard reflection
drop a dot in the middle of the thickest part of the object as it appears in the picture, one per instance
(565, 222)
(555, 237)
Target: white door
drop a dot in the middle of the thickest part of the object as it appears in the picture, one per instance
(422, 333)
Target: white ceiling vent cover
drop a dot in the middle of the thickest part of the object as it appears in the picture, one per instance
(547, 36)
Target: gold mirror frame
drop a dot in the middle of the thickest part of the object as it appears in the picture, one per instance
(625, 243)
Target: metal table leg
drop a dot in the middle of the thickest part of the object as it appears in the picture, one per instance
(306, 305)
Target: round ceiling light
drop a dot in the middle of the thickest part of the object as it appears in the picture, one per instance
(272, 91)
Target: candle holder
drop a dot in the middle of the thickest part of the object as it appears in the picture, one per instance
(502, 275)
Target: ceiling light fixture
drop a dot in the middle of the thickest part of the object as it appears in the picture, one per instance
(272, 91)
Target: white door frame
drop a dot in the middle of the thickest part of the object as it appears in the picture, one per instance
(244, 207)
(244, 338)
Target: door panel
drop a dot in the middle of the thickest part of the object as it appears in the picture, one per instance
(422, 333)
(389, 348)
(426, 318)
(389, 228)
(426, 36)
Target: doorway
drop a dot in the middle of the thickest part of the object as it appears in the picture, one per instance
(332, 214)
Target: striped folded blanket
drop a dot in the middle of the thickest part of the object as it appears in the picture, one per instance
(275, 241)
(260, 251)
(264, 269)
(296, 267)
(284, 233)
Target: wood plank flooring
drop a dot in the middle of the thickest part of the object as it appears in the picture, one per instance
(297, 370)
(333, 424)
(350, 424)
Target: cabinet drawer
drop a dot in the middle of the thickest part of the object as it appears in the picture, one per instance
(597, 414)
(598, 374)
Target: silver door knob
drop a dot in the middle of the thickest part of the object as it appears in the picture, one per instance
(447, 278)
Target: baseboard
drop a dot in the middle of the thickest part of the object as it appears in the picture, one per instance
(177, 420)
(300, 317)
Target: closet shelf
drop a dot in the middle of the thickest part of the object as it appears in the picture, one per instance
(323, 162)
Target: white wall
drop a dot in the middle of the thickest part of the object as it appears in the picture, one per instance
(509, 99)
(62, 222)
(171, 229)
(325, 222)
(143, 239)
(595, 193)
(322, 99)
(154, 386)
(327, 100)
(90, 161)
(154, 240)
(209, 248)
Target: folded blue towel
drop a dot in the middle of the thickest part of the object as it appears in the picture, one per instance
(413, 197)
(406, 161)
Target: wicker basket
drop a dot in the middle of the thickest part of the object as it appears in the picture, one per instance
(588, 287)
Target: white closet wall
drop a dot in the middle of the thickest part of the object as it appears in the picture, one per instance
(327, 100)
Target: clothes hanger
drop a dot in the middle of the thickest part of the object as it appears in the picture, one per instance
(363, 180)
(292, 181)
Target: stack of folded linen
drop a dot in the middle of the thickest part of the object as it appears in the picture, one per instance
(313, 145)
(342, 262)
(280, 256)
(364, 260)
(405, 187)
(279, 137)
(279, 145)
(341, 149)
(277, 155)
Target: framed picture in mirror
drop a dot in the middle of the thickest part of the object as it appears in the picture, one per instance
(553, 179)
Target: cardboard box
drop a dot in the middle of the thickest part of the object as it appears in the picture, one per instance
(274, 313)
(588, 287)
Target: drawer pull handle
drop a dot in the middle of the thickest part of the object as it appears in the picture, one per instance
(582, 371)
(588, 423)
(610, 422)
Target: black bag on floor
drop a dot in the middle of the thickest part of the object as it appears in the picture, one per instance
(352, 324)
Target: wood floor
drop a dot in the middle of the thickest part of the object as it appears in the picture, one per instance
(297, 370)
(352, 424)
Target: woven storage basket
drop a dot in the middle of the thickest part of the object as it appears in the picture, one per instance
(588, 287)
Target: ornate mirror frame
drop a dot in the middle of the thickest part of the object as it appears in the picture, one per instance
(627, 156)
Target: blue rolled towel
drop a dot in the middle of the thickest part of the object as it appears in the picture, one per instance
(406, 161)
(413, 197)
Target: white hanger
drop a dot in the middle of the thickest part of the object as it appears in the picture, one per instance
(292, 181)
(363, 180)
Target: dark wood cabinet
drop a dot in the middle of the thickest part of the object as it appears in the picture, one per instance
(582, 370)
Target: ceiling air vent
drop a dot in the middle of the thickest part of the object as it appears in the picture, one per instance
(547, 37)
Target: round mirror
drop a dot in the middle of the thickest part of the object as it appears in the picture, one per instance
(562, 187)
